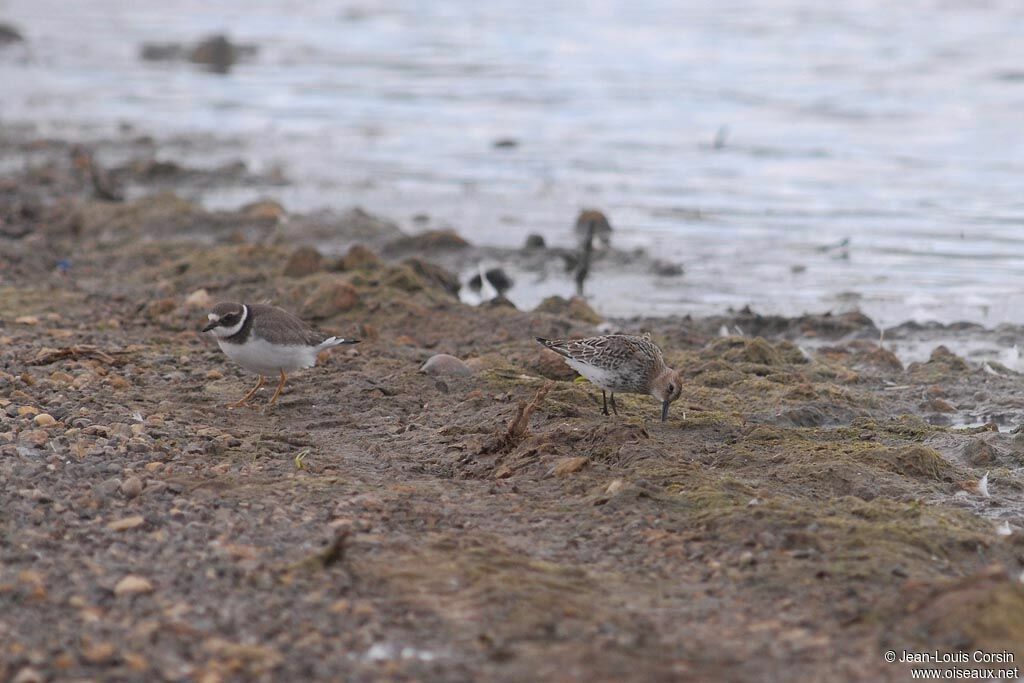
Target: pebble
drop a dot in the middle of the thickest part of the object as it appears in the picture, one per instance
(28, 410)
(106, 488)
(126, 523)
(443, 364)
(132, 487)
(133, 585)
(28, 675)
(44, 420)
(36, 437)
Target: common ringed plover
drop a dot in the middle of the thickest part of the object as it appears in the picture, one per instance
(265, 340)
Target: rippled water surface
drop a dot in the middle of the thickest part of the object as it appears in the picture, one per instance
(896, 125)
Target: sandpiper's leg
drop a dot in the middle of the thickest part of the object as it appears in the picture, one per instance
(615, 408)
(248, 397)
(604, 397)
(280, 386)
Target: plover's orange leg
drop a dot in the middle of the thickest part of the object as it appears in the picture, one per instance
(280, 386)
(248, 397)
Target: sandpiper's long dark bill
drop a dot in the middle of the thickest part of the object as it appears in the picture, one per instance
(621, 363)
(266, 340)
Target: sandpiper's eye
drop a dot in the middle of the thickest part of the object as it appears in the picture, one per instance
(671, 388)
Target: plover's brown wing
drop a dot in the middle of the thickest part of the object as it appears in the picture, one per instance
(278, 326)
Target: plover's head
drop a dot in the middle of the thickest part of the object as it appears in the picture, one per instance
(226, 319)
(667, 387)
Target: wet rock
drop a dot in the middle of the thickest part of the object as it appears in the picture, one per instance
(505, 143)
(359, 257)
(942, 363)
(217, 53)
(303, 261)
(576, 308)
(913, 461)
(9, 35)
(744, 350)
(939, 405)
(426, 243)
(330, 298)
(264, 210)
(534, 241)
(444, 365)
(664, 268)
(434, 275)
(162, 52)
(978, 452)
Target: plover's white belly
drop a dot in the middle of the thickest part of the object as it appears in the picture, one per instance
(609, 380)
(257, 355)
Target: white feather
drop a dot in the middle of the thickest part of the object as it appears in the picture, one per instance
(983, 486)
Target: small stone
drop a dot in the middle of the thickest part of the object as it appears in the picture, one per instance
(444, 365)
(214, 374)
(126, 523)
(615, 486)
(154, 466)
(358, 257)
(534, 241)
(199, 299)
(132, 487)
(44, 420)
(331, 297)
(61, 377)
(569, 465)
(28, 675)
(303, 261)
(27, 320)
(36, 437)
(133, 585)
(99, 653)
(28, 410)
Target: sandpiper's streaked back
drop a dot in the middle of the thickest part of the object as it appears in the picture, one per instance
(621, 363)
(266, 340)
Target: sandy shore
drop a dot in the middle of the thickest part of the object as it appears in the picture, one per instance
(806, 507)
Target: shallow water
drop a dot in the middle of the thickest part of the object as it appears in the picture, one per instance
(894, 125)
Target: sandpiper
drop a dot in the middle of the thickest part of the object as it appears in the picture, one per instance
(266, 339)
(621, 363)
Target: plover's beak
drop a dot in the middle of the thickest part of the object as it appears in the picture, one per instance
(664, 410)
(210, 325)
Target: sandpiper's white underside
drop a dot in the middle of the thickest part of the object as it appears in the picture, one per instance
(605, 379)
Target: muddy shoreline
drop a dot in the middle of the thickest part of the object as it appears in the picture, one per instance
(812, 501)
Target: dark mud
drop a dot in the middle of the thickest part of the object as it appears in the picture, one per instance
(806, 507)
